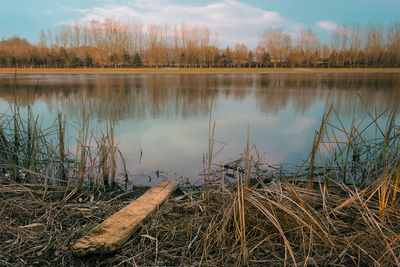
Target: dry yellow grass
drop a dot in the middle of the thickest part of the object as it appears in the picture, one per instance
(191, 70)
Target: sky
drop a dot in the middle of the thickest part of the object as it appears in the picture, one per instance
(235, 21)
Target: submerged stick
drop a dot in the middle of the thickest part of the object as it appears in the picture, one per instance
(116, 230)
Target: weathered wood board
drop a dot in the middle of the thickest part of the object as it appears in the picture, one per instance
(116, 230)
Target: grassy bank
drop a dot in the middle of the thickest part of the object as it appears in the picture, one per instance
(192, 70)
(340, 207)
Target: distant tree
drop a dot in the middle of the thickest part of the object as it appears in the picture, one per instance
(295, 57)
(224, 60)
(217, 57)
(183, 58)
(126, 58)
(250, 59)
(309, 45)
(228, 57)
(137, 60)
(43, 39)
(76, 61)
(14, 41)
(374, 45)
(114, 59)
(332, 61)
(88, 62)
(240, 54)
(393, 45)
(116, 42)
(61, 57)
(277, 43)
(265, 59)
(3, 59)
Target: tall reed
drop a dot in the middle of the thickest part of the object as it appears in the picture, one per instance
(34, 154)
(340, 207)
(111, 145)
(61, 145)
(82, 148)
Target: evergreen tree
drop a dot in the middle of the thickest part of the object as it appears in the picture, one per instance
(183, 58)
(266, 58)
(126, 57)
(137, 60)
(88, 61)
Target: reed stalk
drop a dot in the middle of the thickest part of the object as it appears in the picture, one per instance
(32, 151)
(15, 158)
(61, 145)
(211, 132)
(104, 161)
(316, 143)
(241, 220)
(82, 147)
(4, 148)
(125, 169)
(111, 145)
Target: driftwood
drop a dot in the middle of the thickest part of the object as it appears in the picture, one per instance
(116, 230)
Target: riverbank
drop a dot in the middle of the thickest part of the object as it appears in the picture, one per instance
(281, 223)
(192, 70)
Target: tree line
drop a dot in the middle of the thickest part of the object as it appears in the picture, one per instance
(119, 44)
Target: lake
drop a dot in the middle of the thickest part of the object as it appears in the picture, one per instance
(167, 116)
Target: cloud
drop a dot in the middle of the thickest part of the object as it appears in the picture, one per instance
(327, 25)
(299, 126)
(233, 21)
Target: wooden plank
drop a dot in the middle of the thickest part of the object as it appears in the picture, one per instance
(116, 230)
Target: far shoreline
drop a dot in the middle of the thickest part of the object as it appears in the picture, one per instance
(170, 70)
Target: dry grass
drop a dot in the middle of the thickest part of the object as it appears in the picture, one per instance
(37, 227)
(263, 225)
(192, 70)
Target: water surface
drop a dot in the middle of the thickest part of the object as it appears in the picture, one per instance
(167, 116)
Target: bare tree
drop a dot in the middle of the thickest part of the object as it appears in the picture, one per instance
(309, 45)
(240, 54)
(277, 43)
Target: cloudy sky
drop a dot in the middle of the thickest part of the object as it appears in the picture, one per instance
(235, 21)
